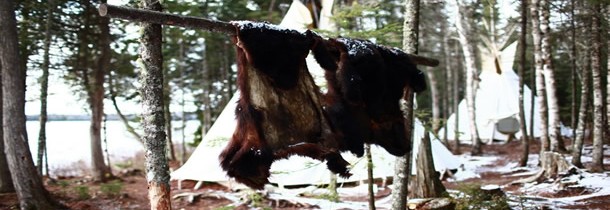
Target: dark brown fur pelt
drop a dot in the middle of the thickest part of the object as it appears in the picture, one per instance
(279, 112)
(365, 83)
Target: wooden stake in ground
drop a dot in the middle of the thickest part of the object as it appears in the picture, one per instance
(151, 78)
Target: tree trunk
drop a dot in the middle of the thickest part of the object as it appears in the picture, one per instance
(27, 183)
(433, 85)
(426, 183)
(522, 123)
(464, 30)
(371, 179)
(44, 86)
(456, 102)
(584, 59)
(101, 171)
(151, 78)
(168, 119)
(447, 93)
(573, 108)
(6, 183)
(540, 85)
(549, 77)
(402, 169)
(598, 103)
(410, 45)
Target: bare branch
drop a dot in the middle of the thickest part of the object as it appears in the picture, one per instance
(148, 16)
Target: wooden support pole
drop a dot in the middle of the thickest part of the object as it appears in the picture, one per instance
(140, 15)
(149, 16)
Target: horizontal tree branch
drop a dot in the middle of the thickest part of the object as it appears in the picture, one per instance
(148, 16)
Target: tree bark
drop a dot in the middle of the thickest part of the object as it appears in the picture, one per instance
(410, 45)
(522, 123)
(167, 100)
(402, 169)
(44, 86)
(101, 171)
(598, 103)
(433, 84)
(465, 32)
(27, 183)
(447, 93)
(584, 59)
(456, 102)
(549, 77)
(573, 108)
(151, 78)
(6, 182)
(540, 85)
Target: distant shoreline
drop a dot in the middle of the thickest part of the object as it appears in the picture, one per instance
(110, 117)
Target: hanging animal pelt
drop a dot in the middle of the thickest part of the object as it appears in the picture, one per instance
(365, 83)
(279, 112)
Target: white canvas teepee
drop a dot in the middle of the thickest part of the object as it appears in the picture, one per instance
(497, 98)
(203, 165)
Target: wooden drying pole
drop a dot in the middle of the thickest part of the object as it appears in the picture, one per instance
(140, 15)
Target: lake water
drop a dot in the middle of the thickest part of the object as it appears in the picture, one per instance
(68, 143)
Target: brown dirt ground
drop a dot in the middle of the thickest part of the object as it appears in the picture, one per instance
(134, 194)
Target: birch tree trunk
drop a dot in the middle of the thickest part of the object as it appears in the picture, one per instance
(44, 86)
(584, 59)
(27, 182)
(101, 171)
(540, 85)
(151, 78)
(465, 32)
(410, 45)
(522, 54)
(598, 109)
(549, 77)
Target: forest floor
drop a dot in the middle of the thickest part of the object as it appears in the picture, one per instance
(498, 166)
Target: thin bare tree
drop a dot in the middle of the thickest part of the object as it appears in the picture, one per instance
(522, 64)
(598, 101)
(464, 28)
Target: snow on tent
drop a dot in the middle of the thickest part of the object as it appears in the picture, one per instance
(203, 164)
(496, 102)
